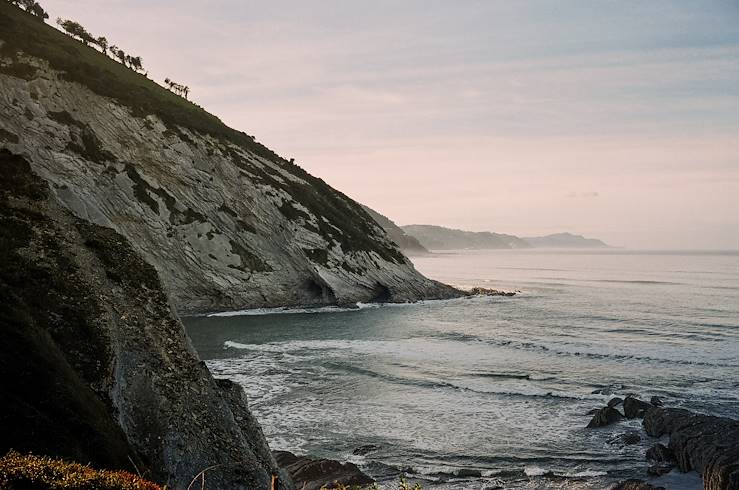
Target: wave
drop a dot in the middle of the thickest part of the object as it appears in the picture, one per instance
(532, 346)
(295, 310)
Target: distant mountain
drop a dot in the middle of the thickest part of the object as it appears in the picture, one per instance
(407, 243)
(565, 240)
(440, 238)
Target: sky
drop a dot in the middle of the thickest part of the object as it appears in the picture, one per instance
(613, 119)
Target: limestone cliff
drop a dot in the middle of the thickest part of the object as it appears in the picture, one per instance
(94, 364)
(226, 222)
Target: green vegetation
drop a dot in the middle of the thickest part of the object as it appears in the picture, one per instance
(28, 472)
(32, 7)
(22, 33)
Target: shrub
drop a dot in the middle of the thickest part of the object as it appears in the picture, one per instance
(28, 472)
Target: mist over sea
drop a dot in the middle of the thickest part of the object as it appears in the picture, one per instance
(493, 386)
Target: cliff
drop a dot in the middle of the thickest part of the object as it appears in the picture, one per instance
(407, 243)
(440, 238)
(94, 364)
(225, 221)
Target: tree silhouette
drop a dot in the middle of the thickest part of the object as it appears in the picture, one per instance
(103, 43)
(33, 8)
(121, 56)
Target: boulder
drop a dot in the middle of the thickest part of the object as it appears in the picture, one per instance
(366, 449)
(635, 408)
(605, 416)
(706, 444)
(615, 401)
(314, 473)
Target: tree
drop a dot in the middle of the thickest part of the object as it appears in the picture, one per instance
(103, 43)
(121, 56)
(186, 90)
(137, 63)
(33, 8)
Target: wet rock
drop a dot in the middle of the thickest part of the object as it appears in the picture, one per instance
(313, 474)
(615, 401)
(366, 449)
(656, 401)
(660, 453)
(635, 408)
(627, 439)
(605, 416)
(706, 444)
(635, 485)
(593, 411)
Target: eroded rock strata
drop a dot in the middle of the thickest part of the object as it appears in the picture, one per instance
(227, 223)
(95, 365)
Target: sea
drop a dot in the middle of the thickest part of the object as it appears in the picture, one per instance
(494, 392)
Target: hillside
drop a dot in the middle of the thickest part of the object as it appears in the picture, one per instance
(407, 243)
(565, 240)
(226, 222)
(440, 238)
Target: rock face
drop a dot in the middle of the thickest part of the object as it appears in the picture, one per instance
(314, 474)
(635, 408)
(226, 222)
(709, 445)
(94, 364)
(635, 485)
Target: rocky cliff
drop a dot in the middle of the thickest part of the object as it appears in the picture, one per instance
(94, 364)
(226, 222)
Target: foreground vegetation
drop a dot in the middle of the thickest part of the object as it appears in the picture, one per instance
(402, 485)
(28, 472)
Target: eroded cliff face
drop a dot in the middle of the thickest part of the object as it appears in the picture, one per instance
(226, 228)
(95, 365)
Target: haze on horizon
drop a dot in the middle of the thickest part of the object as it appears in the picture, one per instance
(615, 120)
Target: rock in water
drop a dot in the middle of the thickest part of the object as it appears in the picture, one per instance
(94, 364)
(709, 445)
(615, 401)
(605, 416)
(656, 401)
(635, 408)
(226, 222)
(314, 474)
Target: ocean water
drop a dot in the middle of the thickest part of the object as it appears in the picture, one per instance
(499, 387)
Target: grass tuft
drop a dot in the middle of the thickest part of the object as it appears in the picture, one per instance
(28, 472)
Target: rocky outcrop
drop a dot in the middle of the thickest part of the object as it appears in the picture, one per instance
(95, 365)
(635, 408)
(314, 474)
(227, 223)
(709, 445)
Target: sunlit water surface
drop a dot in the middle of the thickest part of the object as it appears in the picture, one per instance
(499, 386)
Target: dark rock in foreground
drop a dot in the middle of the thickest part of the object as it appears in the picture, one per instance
(707, 444)
(635, 485)
(312, 474)
(94, 364)
(605, 416)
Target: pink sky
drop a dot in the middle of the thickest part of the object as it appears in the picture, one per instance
(618, 121)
